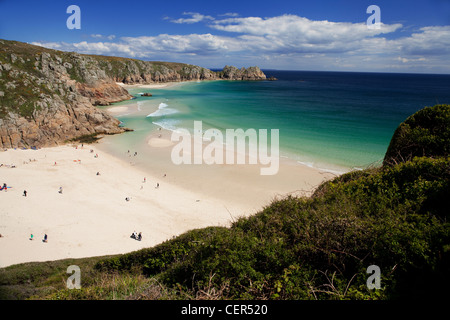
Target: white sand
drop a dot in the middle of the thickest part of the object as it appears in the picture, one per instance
(150, 86)
(92, 218)
(160, 142)
(118, 110)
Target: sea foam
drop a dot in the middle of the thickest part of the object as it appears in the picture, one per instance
(168, 124)
(162, 111)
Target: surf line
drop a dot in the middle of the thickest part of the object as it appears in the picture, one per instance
(213, 153)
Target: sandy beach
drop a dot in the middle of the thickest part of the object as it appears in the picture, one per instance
(151, 86)
(91, 217)
(104, 197)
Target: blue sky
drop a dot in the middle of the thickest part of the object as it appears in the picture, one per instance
(414, 36)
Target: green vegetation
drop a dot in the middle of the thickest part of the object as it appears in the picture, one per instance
(395, 217)
(20, 79)
(424, 134)
(87, 138)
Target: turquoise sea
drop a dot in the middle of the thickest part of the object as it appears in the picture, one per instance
(330, 120)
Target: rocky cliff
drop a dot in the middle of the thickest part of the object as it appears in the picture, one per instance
(48, 97)
(233, 73)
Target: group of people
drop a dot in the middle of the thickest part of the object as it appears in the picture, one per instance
(7, 165)
(136, 236)
(43, 240)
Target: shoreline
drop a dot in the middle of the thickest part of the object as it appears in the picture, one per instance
(321, 164)
(160, 85)
(91, 216)
(96, 214)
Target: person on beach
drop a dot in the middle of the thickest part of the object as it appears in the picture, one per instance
(45, 238)
(139, 237)
(145, 180)
(60, 190)
(157, 185)
(31, 237)
(24, 193)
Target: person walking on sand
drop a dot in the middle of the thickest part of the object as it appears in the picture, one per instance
(24, 193)
(60, 190)
(31, 237)
(45, 238)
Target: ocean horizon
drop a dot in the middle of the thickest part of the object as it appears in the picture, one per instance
(335, 121)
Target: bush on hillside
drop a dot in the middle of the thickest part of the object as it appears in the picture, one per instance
(424, 134)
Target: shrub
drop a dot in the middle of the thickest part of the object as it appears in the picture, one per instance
(425, 133)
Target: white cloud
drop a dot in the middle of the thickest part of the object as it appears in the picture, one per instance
(202, 44)
(290, 33)
(433, 40)
(286, 41)
(195, 17)
(229, 14)
(405, 60)
(100, 36)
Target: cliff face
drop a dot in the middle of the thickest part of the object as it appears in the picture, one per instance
(48, 97)
(233, 73)
(43, 103)
(131, 71)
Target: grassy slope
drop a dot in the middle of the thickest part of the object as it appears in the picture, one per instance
(395, 217)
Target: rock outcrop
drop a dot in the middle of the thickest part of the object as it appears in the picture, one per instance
(48, 97)
(233, 73)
